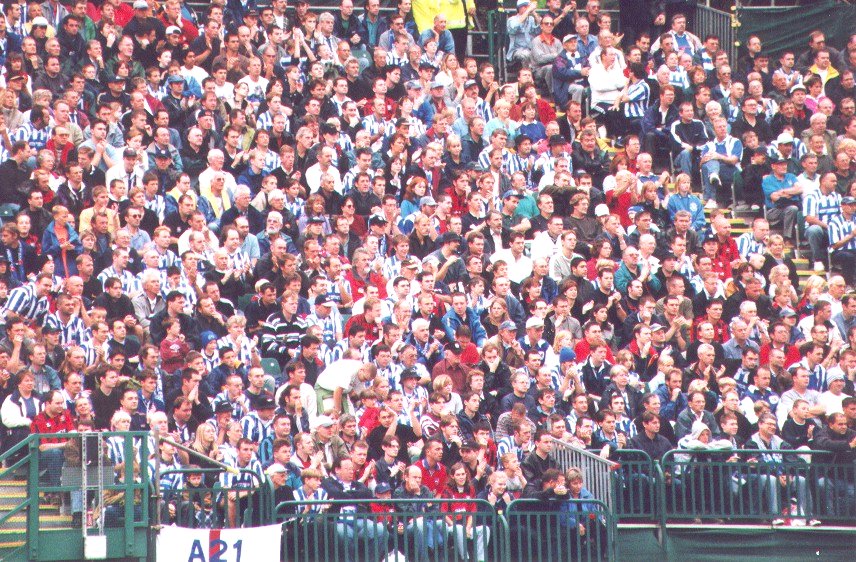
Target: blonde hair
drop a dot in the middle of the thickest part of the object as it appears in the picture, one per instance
(440, 382)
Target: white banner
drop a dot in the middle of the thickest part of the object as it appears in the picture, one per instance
(252, 544)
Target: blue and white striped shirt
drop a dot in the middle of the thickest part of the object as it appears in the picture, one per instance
(839, 228)
(319, 495)
(638, 94)
(243, 349)
(130, 284)
(73, 333)
(350, 176)
(24, 302)
(823, 207)
(256, 429)
(729, 146)
(243, 479)
(484, 159)
(507, 445)
(36, 138)
(747, 245)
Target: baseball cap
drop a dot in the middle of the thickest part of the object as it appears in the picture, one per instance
(265, 403)
(510, 193)
(711, 238)
(328, 129)
(207, 337)
(315, 220)
(777, 159)
(508, 325)
(656, 327)
(567, 355)
(448, 237)
(601, 210)
(569, 37)
(784, 138)
(222, 408)
(849, 200)
(408, 373)
(834, 376)
(470, 445)
(377, 219)
(427, 200)
(116, 78)
(162, 153)
(129, 153)
(175, 79)
(141, 5)
(557, 140)
(172, 29)
(323, 421)
(436, 84)
(787, 313)
(276, 468)
(425, 66)
(455, 348)
(323, 300)
(534, 322)
(41, 22)
(470, 83)
(796, 87)
(521, 139)
(413, 85)
(173, 295)
(521, 3)
(262, 284)
(382, 488)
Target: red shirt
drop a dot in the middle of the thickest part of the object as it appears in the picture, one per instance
(792, 354)
(434, 480)
(583, 350)
(60, 424)
(372, 329)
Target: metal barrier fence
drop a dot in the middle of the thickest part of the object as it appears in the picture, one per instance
(755, 485)
(596, 470)
(202, 504)
(722, 24)
(404, 529)
(553, 530)
(634, 486)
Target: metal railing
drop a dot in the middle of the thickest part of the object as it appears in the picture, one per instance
(209, 505)
(383, 529)
(634, 486)
(122, 506)
(758, 486)
(722, 24)
(596, 470)
(554, 530)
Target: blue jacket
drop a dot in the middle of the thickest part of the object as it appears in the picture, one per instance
(651, 120)
(51, 247)
(669, 409)
(382, 25)
(451, 322)
(690, 203)
(564, 74)
(13, 45)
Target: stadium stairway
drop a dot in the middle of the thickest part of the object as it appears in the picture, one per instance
(13, 532)
(741, 222)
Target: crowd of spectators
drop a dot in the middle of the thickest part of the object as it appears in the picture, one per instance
(333, 250)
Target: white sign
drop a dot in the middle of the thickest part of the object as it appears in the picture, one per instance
(253, 544)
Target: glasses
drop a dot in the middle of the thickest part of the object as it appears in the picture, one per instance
(548, 23)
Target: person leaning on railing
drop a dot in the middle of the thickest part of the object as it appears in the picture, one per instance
(777, 471)
(837, 479)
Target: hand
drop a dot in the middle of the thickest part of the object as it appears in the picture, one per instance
(582, 530)
(660, 19)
